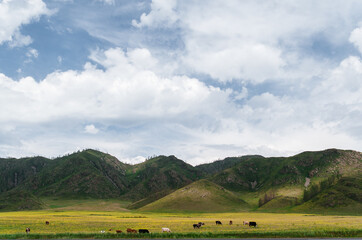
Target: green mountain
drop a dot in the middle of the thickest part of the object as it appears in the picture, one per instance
(296, 183)
(345, 196)
(83, 174)
(259, 173)
(220, 165)
(159, 176)
(14, 172)
(15, 200)
(200, 196)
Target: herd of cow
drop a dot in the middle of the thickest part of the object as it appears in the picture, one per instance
(130, 230)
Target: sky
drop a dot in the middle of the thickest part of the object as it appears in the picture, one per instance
(201, 80)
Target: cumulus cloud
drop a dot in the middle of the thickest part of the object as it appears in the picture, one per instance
(252, 41)
(162, 14)
(356, 38)
(91, 129)
(14, 14)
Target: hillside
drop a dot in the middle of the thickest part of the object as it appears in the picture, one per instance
(345, 196)
(14, 172)
(19, 200)
(288, 176)
(159, 176)
(220, 165)
(200, 196)
(83, 174)
(265, 184)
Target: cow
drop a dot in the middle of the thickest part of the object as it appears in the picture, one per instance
(27, 230)
(118, 231)
(47, 222)
(130, 230)
(231, 222)
(201, 223)
(218, 223)
(102, 231)
(143, 231)
(245, 222)
(166, 230)
(196, 225)
(252, 224)
(110, 229)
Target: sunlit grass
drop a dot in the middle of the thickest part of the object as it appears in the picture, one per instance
(90, 223)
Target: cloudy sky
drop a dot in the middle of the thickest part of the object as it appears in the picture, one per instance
(200, 80)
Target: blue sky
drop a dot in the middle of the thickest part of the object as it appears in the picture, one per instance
(202, 82)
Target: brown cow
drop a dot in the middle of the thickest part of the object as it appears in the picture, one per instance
(231, 222)
(118, 231)
(130, 230)
(47, 222)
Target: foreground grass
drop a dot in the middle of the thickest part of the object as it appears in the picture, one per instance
(88, 224)
(282, 234)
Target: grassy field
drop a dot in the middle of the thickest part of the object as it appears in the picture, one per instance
(88, 224)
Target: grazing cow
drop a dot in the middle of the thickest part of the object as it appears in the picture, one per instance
(231, 222)
(27, 230)
(143, 231)
(252, 224)
(118, 231)
(245, 222)
(196, 225)
(218, 223)
(47, 222)
(166, 230)
(110, 229)
(130, 230)
(201, 223)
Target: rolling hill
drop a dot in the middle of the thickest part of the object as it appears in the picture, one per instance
(166, 182)
(200, 196)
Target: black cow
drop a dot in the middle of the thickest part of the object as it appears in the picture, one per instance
(27, 230)
(252, 224)
(201, 223)
(143, 231)
(196, 225)
(218, 223)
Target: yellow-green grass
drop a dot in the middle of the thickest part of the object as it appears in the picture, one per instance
(85, 204)
(90, 223)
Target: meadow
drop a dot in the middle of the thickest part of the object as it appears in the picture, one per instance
(66, 223)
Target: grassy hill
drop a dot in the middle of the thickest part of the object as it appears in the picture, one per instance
(14, 172)
(288, 176)
(220, 165)
(16, 200)
(155, 183)
(343, 197)
(159, 176)
(200, 196)
(83, 174)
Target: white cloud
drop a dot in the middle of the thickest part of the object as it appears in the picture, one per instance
(91, 129)
(14, 14)
(109, 2)
(252, 41)
(32, 53)
(20, 40)
(162, 13)
(356, 38)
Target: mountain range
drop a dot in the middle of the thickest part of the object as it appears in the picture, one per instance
(321, 181)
